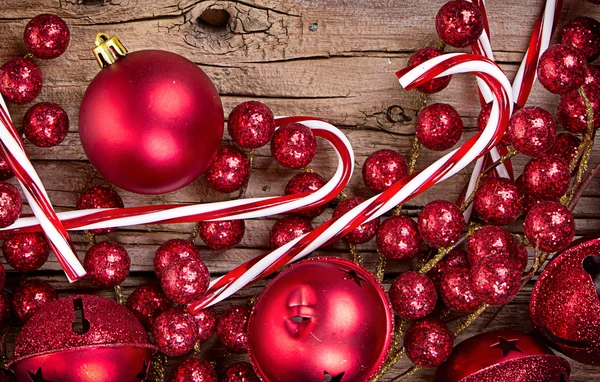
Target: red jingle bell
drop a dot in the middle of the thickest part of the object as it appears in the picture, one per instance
(321, 317)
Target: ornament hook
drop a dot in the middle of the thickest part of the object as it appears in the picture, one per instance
(108, 49)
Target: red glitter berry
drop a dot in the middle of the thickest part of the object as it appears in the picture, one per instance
(232, 328)
(223, 234)
(306, 182)
(491, 241)
(583, 35)
(46, 36)
(413, 295)
(456, 291)
(25, 252)
(20, 80)
(498, 201)
(572, 112)
(398, 238)
(251, 124)
(147, 302)
(99, 197)
(45, 124)
(174, 332)
(293, 145)
(459, 23)
(532, 130)
(495, 280)
(438, 126)
(565, 146)
(107, 264)
(240, 372)
(592, 78)
(287, 229)
(382, 169)
(11, 204)
(229, 171)
(30, 297)
(441, 223)
(185, 280)
(363, 232)
(6, 172)
(484, 117)
(546, 177)
(193, 370)
(456, 258)
(436, 84)
(550, 226)
(428, 342)
(206, 320)
(561, 69)
(171, 251)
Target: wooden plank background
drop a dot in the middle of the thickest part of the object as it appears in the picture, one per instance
(333, 59)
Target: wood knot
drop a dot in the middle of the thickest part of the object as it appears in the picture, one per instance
(214, 18)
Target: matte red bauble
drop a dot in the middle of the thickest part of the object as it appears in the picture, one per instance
(321, 317)
(565, 302)
(82, 339)
(151, 121)
(31, 296)
(435, 85)
(503, 356)
(46, 36)
(193, 370)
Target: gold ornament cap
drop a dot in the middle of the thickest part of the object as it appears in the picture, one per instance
(108, 49)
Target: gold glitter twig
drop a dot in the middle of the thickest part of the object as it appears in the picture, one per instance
(119, 293)
(91, 238)
(195, 233)
(380, 268)
(356, 257)
(158, 367)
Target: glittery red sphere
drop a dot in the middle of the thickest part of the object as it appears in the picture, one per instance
(206, 320)
(45, 124)
(232, 328)
(583, 35)
(193, 370)
(31, 296)
(11, 204)
(222, 235)
(321, 314)
(107, 264)
(20, 80)
(99, 197)
(4, 308)
(441, 223)
(546, 177)
(240, 372)
(561, 69)
(6, 172)
(229, 171)
(456, 258)
(428, 342)
(363, 232)
(532, 130)
(398, 238)
(382, 169)
(572, 113)
(306, 182)
(435, 85)
(549, 225)
(25, 252)
(293, 145)
(413, 295)
(565, 146)
(46, 36)
(503, 356)
(491, 241)
(459, 23)
(174, 332)
(171, 251)
(147, 302)
(251, 124)
(185, 280)
(456, 290)
(495, 280)
(498, 201)
(564, 303)
(592, 78)
(287, 229)
(439, 126)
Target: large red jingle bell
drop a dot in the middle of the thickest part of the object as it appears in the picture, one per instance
(503, 356)
(321, 317)
(151, 121)
(82, 339)
(565, 302)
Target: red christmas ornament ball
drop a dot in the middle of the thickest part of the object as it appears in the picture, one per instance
(546, 177)
(31, 296)
(45, 124)
(363, 232)
(441, 223)
(185, 280)
(206, 321)
(565, 146)
(11, 204)
(223, 234)
(232, 328)
(592, 78)
(428, 342)
(240, 372)
(491, 241)
(498, 201)
(251, 124)
(306, 182)
(174, 332)
(107, 264)
(151, 122)
(583, 35)
(147, 302)
(171, 251)
(436, 84)
(20, 80)
(46, 36)
(459, 23)
(438, 126)
(287, 229)
(6, 172)
(572, 112)
(25, 252)
(456, 258)
(193, 370)
(550, 226)
(99, 197)
(495, 280)
(532, 130)
(5, 308)
(229, 171)
(398, 238)
(382, 169)
(561, 69)
(413, 295)
(293, 145)
(456, 290)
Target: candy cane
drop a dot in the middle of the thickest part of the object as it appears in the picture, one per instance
(14, 153)
(399, 192)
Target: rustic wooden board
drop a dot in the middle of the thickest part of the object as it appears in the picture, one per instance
(330, 58)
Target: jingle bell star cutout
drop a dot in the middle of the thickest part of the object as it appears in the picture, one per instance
(506, 346)
(333, 378)
(352, 275)
(37, 376)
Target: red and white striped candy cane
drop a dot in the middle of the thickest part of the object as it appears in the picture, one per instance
(399, 192)
(14, 153)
